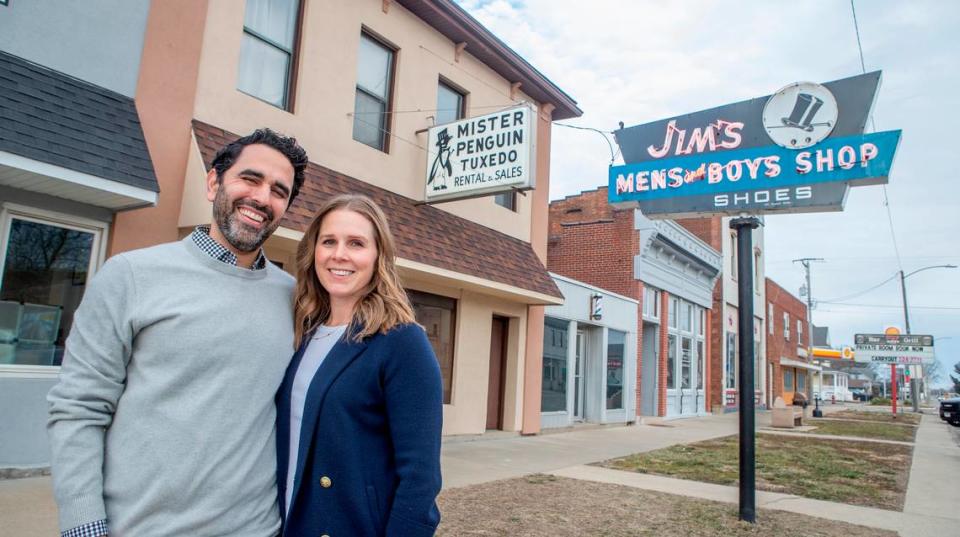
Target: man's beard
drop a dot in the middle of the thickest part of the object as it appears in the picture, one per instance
(236, 233)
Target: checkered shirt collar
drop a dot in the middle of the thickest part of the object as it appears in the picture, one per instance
(91, 529)
(201, 236)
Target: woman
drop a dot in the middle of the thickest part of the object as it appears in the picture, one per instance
(360, 408)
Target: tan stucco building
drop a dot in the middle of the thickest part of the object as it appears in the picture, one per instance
(357, 82)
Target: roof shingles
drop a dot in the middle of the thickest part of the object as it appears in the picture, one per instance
(423, 233)
(51, 117)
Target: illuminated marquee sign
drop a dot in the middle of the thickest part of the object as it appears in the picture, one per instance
(797, 150)
(482, 155)
(894, 349)
(760, 178)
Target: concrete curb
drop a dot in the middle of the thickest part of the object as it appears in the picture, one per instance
(905, 523)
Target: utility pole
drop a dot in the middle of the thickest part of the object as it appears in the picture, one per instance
(805, 261)
(914, 396)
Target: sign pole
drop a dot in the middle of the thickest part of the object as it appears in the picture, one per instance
(748, 478)
(893, 387)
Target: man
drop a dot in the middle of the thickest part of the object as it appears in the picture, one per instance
(162, 422)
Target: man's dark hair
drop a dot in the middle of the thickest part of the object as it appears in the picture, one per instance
(284, 144)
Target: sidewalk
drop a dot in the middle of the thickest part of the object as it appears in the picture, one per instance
(483, 459)
(27, 509)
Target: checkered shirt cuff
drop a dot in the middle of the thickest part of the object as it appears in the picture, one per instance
(90, 529)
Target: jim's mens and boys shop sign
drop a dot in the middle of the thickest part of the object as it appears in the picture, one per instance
(482, 155)
(797, 150)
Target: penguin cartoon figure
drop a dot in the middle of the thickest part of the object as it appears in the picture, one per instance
(441, 168)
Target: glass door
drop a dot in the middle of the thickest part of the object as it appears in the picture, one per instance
(578, 375)
(44, 269)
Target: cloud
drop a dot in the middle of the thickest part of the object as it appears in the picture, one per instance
(644, 60)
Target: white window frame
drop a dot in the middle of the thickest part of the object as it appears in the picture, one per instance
(770, 318)
(98, 251)
(786, 326)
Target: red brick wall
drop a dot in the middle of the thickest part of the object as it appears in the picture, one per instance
(706, 229)
(715, 355)
(591, 242)
(777, 345)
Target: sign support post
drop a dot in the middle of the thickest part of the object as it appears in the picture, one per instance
(744, 226)
(893, 386)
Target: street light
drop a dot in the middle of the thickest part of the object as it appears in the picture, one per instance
(906, 322)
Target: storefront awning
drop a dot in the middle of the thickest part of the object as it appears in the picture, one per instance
(430, 241)
(64, 137)
(789, 362)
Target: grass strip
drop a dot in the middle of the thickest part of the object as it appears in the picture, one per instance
(864, 429)
(857, 473)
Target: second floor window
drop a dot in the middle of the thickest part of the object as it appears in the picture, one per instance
(372, 104)
(450, 104)
(267, 53)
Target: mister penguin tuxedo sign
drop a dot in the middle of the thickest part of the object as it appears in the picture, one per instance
(481, 155)
(797, 150)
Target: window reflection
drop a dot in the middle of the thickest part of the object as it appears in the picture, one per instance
(44, 276)
(554, 390)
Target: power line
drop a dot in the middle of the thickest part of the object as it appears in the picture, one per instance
(950, 308)
(613, 156)
(865, 291)
(886, 197)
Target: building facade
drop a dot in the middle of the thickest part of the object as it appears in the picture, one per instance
(724, 354)
(357, 82)
(72, 157)
(663, 266)
(589, 357)
(789, 367)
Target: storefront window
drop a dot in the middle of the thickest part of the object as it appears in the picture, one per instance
(788, 380)
(651, 302)
(686, 363)
(671, 361)
(616, 343)
(672, 317)
(686, 320)
(699, 365)
(802, 381)
(437, 314)
(731, 371)
(554, 390)
(757, 366)
(45, 272)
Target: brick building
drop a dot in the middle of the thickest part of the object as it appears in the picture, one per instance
(667, 269)
(789, 367)
(724, 329)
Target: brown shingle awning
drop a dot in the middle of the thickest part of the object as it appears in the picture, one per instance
(424, 234)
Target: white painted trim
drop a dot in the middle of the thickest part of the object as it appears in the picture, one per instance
(796, 363)
(77, 178)
(98, 229)
(592, 288)
(17, 371)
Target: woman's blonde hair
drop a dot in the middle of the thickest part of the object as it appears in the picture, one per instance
(384, 303)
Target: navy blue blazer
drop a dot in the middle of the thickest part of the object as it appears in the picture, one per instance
(369, 457)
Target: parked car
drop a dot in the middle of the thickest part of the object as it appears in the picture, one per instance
(950, 411)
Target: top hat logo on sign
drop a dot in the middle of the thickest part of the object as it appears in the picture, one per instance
(800, 115)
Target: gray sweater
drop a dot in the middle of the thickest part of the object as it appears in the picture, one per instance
(163, 420)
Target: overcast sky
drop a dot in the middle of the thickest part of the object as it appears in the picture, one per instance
(640, 61)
